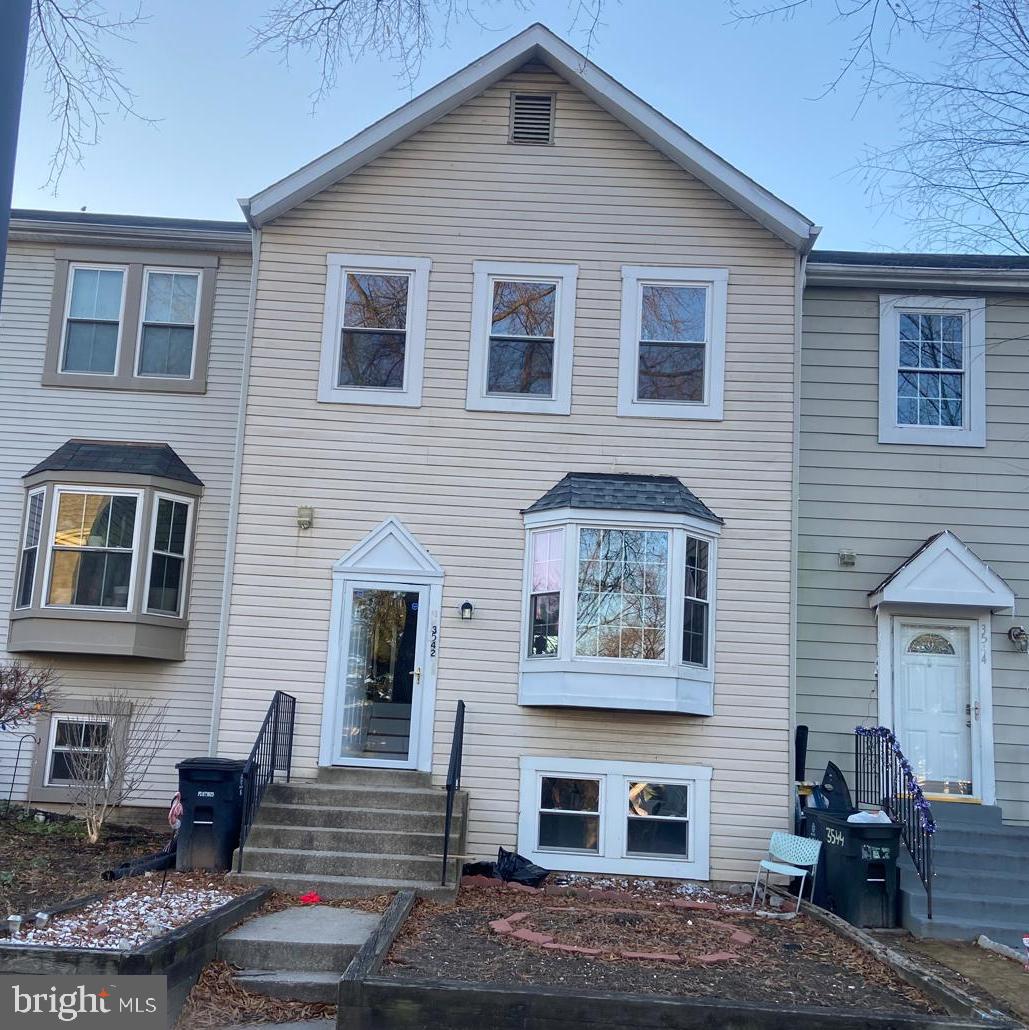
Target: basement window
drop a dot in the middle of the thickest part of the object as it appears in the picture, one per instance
(532, 118)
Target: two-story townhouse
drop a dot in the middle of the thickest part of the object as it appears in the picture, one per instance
(912, 578)
(121, 360)
(520, 432)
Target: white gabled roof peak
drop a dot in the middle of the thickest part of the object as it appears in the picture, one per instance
(536, 42)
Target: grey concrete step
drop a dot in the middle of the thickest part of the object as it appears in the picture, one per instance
(415, 799)
(352, 775)
(366, 841)
(1007, 932)
(975, 860)
(343, 863)
(291, 985)
(344, 818)
(316, 938)
(1003, 838)
(956, 813)
(984, 908)
(956, 880)
(334, 888)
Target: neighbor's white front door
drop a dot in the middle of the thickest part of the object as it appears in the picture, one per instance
(936, 703)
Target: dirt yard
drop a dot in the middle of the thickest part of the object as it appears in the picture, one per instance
(654, 944)
(45, 864)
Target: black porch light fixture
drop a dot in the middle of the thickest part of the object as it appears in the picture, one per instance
(466, 610)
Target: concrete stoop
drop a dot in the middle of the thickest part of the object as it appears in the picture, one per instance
(980, 882)
(297, 954)
(355, 833)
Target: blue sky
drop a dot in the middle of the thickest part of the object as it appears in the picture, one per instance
(228, 123)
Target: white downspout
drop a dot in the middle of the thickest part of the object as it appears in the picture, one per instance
(237, 472)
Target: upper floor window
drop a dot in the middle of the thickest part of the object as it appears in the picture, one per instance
(932, 376)
(672, 354)
(130, 320)
(373, 340)
(523, 328)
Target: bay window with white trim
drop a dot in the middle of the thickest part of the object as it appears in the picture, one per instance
(619, 611)
(599, 816)
(671, 360)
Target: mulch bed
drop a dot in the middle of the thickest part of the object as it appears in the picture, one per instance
(795, 962)
(43, 865)
(218, 1001)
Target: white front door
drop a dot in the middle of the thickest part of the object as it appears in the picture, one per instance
(382, 668)
(936, 703)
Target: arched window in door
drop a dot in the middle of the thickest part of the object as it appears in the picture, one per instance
(930, 643)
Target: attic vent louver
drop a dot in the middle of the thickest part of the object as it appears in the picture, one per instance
(532, 118)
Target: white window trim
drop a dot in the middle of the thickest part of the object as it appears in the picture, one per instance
(186, 553)
(55, 505)
(196, 273)
(634, 278)
(485, 273)
(613, 776)
(338, 265)
(38, 492)
(973, 433)
(580, 681)
(87, 265)
(58, 717)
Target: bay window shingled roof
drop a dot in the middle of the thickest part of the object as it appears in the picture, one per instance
(138, 459)
(622, 492)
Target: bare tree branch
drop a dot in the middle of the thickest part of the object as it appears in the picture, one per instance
(67, 44)
(25, 692)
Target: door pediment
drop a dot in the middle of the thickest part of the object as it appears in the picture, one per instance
(944, 571)
(389, 550)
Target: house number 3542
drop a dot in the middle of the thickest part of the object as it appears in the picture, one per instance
(433, 641)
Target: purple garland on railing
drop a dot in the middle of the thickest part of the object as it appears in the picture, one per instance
(925, 814)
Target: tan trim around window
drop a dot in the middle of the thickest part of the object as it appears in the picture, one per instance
(134, 262)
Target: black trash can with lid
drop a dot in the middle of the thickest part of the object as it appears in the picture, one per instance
(212, 810)
(857, 868)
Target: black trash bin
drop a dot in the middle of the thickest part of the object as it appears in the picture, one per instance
(857, 868)
(212, 809)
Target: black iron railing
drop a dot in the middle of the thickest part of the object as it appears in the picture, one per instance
(884, 777)
(453, 784)
(272, 752)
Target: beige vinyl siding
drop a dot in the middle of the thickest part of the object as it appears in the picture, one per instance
(599, 198)
(882, 501)
(200, 428)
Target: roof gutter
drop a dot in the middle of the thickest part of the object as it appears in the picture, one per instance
(926, 278)
(49, 230)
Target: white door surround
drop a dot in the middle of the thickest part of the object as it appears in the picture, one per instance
(387, 558)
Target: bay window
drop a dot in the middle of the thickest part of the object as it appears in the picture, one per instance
(619, 610)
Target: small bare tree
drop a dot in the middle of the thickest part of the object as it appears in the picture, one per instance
(111, 754)
(25, 693)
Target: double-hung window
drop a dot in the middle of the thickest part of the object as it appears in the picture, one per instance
(373, 340)
(30, 548)
(932, 371)
(520, 355)
(592, 815)
(672, 353)
(168, 554)
(127, 320)
(78, 750)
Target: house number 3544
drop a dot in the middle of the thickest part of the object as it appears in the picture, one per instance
(433, 641)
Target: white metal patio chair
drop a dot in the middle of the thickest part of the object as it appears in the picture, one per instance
(788, 855)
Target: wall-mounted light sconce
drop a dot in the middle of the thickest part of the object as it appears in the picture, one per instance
(466, 610)
(1018, 636)
(305, 517)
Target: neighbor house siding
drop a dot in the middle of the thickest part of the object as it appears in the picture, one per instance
(201, 428)
(883, 500)
(599, 198)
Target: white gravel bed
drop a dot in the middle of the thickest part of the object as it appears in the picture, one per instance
(125, 922)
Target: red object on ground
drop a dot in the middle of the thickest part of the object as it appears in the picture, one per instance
(310, 898)
(175, 812)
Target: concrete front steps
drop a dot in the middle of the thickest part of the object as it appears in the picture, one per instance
(297, 954)
(980, 882)
(355, 833)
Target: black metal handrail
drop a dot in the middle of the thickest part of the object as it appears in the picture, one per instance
(884, 777)
(453, 784)
(272, 752)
